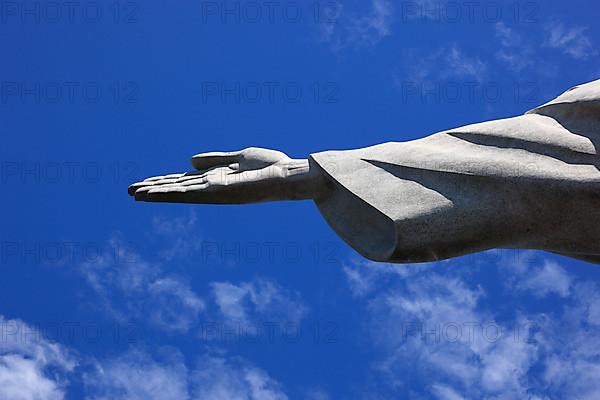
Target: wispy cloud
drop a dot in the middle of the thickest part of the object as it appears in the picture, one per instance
(444, 64)
(33, 368)
(221, 379)
(180, 234)
(363, 276)
(137, 375)
(572, 345)
(571, 41)
(373, 27)
(354, 29)
(445, 392)
(175, 306)
(259, 299)
(515, 51)
(550, 278)
(459, 65)
(467, 363)
(419, 323)
(129, 286)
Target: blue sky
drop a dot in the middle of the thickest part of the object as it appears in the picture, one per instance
(105, 298)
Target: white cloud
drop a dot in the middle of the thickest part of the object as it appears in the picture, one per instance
(178, 226)
(540, 277)
(134, 287)
(219, 379)
(515, 51)
(31, 368)
(434, 323)
(258, 299)
(444, 392)
(459, 65)
(360, 283)
(593, 311)
(413, 320)
(571, 341)
(129, 286)
(357, 29)
(176, 306)
(178, 236)
(414, 313)
(508, 38)
(551, 278)
(445, 64)
(571, 41)
(380, 19)
(364, 276)
(23, 379)
(136, 376)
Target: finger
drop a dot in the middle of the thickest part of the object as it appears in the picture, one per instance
(139, 191)
(176, 189)
(179, 184)
(220, 172)
(173, 194)
(133, 187)
(197, 181)
(193, 175)
(164, 180)
(156, 178)
(143, 191)
(204, 161)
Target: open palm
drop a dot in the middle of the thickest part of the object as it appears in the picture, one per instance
(246, 176)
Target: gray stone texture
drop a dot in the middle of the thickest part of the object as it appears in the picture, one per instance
(528, 182)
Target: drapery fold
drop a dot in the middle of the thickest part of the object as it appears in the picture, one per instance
(531, 181)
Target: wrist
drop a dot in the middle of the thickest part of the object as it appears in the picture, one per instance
(302, 182)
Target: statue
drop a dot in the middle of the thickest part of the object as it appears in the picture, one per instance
(528, 182)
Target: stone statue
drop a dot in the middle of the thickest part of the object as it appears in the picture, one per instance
(529, 182)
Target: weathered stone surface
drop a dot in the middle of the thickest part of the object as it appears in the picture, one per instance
(531, 181)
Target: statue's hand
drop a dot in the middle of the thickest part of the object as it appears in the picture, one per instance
(248, 176)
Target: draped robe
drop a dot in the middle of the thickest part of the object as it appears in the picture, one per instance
(528, 182)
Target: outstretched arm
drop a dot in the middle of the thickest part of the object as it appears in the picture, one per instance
(251, 175)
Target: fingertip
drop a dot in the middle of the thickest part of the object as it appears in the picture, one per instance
(139, 195)
(204, 161)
